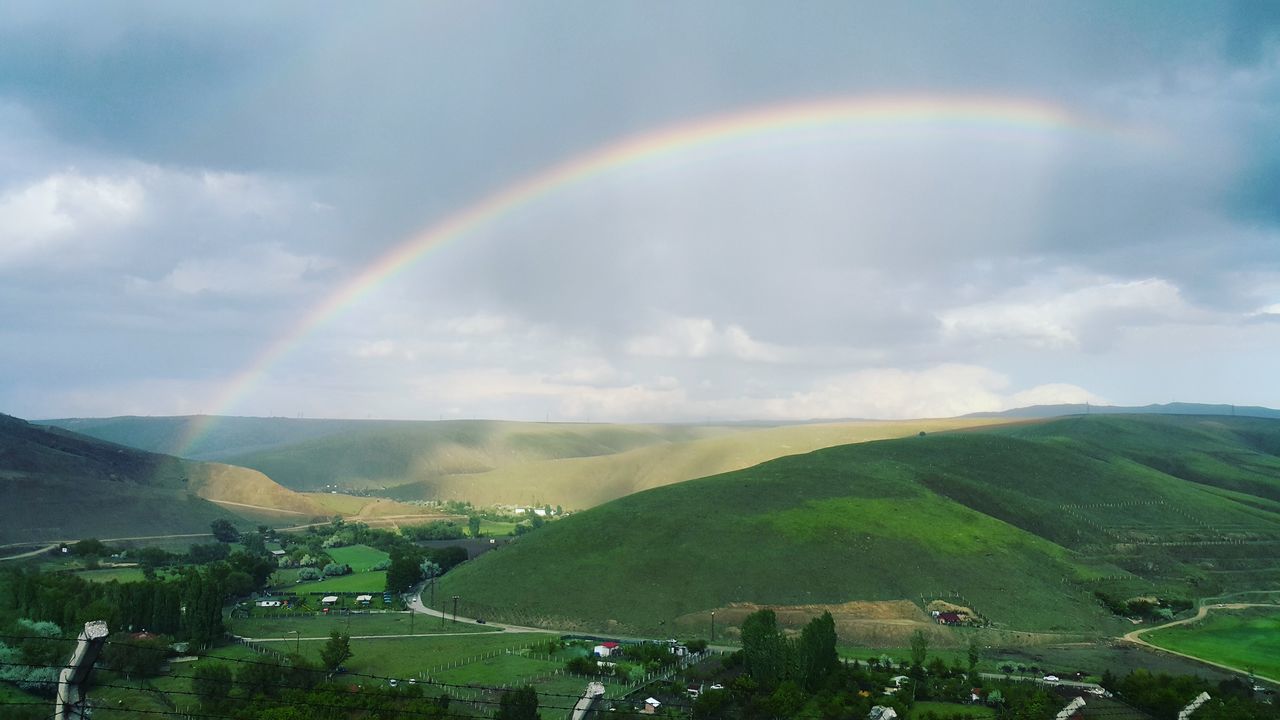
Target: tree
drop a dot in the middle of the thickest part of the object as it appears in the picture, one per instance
(212, 684)
(975, 654)
(519, 704)
(919, 648)
(224, 531)
(473, 525)
(764, 651)
(138, 656)
(817, 651)
(405, 570)
(336, 651)
(90, 546)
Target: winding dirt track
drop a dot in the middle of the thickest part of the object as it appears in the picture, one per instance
(1135, 637)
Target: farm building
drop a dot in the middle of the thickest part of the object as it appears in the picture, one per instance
(329, 600)
(651, 706)
(605, 649)
(949, 618)
(364, 599)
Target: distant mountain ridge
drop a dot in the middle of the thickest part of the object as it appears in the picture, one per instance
(1173, 408)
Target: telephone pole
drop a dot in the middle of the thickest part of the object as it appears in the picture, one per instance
(69, 704)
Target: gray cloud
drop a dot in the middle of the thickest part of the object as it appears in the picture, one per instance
(181, 186)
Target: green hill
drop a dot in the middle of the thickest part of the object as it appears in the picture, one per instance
(58, 485)
(1020, 523)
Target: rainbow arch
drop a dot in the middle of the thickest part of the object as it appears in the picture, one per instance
(896, 111)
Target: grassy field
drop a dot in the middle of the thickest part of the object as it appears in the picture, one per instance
(1018, 523)
(360, 557)
(125, 574)
(318, 627)
(370, 582)
(1245, 639)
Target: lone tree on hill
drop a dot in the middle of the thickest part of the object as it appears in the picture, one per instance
(224, 531)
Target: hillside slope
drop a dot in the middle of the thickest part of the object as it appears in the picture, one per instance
(58, 485)
(311, 454)
(1021, 523)
(583, 482)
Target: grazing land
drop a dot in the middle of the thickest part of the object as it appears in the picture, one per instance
(1247, 639)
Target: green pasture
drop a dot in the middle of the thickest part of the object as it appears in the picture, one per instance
(494, 528)
(359, 557)
(1245, 639)
(367, 582)
(408, 656)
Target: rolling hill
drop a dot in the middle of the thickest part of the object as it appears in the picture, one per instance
(1022, 524)
(59, 485)
(576, 465)
(582, 482)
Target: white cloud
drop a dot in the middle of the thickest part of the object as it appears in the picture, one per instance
(687, 337)
(1055, 394)
(261, 270)
(1046, 317)
(49, 221)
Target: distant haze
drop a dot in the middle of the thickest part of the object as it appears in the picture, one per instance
(186, 192)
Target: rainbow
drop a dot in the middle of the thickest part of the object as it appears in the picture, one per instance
(1011, 113)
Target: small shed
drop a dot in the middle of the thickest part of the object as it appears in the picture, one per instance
(364, 599)
(329, 600)
(651, 706)
(605, 649)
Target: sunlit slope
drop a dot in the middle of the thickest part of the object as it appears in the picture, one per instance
(58, 485)
(384, 455)
(588, 481)
(247, 491)
(1018, 522)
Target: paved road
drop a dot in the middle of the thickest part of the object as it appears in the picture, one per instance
(415, 604)
(1093, 687)
(1135, 637)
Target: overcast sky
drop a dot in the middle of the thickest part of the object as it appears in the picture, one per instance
(181, 184)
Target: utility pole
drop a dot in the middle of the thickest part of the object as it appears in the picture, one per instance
(411, 614)
(713, 626)
(455, 608)
(69, 704)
